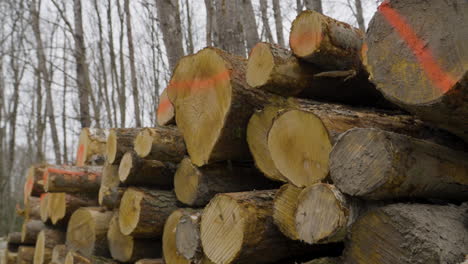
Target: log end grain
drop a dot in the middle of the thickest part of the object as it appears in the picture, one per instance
(285, 208)
(169, 239)
(186, 182)
(129, 210)
(260, 65)
(165, 114)
(120, 245)
(111, 146)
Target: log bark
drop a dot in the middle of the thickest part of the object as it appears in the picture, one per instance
(34, 186)
(430, 233)
(160, 143)
(119, 141)
(112, 198)
(43, 207)
(87, 230)
(134, 170)
(32, 208)
(47, 239)
(195, 186)
(25, 255)
(77, 258)
(91, 146)
(13, 242)
(72, 179)
(326, 42)
(62, 205)
(128, 249)
(110, 179)
(376, 164)
(170, 251)
(276, 69)
(327, 222)
(227, 230)
(300, 138)
(187, 236)
(150, 261)
(29, 231)
(412, 61)
(165, 114)
(213, 104)
(59, 253)
(142, 212)
(10, 257)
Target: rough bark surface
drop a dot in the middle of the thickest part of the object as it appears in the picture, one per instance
(25, 255)
(430, 233)
(376, 164)
(72, 179)
(412, 61)
(160, 143)
(109, 181)
(92, 143)
(30, 230)
(61, 206)
(119, 141)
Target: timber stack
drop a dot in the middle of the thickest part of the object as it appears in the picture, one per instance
(344, 149)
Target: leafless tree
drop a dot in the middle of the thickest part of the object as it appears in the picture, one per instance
(315, 5)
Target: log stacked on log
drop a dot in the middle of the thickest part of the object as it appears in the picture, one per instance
(366, 180)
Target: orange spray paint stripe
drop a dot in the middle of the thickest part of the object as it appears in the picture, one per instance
(434, 72)
(80, 154)
(199, 84)
(43, 195)
(164, 105)
(305, 39)
(72, 173)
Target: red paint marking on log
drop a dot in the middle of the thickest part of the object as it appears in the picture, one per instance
(164, 105)
(80, 155)
(43, 195)
(45, 176)
(439, 78)
(199, 84)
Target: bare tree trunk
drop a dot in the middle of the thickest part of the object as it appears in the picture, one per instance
(278, 22)
(42, 67)
(132, 64)
(231, 37)
(209, 22)
(82, 76)
(359, 15)
(40, 126)
(299, 6)
(113, 64)
(190, 48)
(169, 19)
(122, 93)
(250, 26)
(266, 25)
(315, 5)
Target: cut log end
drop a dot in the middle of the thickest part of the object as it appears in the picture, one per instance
(187, 235)
(44, 206)
(260, 65)
(110, 179)
(306, 33)
(201, 79)
(165, 114)
(126, 165)
(143, 143)
(328, 220)
(300, 145)
(285, 208)
(169, 239)
(41, 253)
(111, 147)
(225, 248)
(186, 182)
(120, 245)
(57, 207)
(129, 211)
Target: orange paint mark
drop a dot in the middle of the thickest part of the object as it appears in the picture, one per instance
(164, 105)
(199, 84)
(306, 39)
(80, 155)
(434, 72)
(45, 176)
(29, 186)
(67, 172)
(43, 195)
(92, 177)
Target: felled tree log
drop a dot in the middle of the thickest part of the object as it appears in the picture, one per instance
(43, 207)
(110, 179)
(142, 212)
(25, 255)
(376, 164)
(213, 104)
(150, 261)
(72, 179)
(62, 205)
(32, 209)
(128, 249)
(276, 69)
(91, 146)
(13, 241)
(87, 231)
(119, 141)
(187, 236)
(134, 170)
(195, 186)
(165, 114)
(300, 138)
(29, 231)
(326, 42)
(112, 198)
(47, 239)
(59, 253)
(34, 186)
(317, 214)
(412, 61)
(227, 232)
(160, 143)
(76, 258)
(430, 233)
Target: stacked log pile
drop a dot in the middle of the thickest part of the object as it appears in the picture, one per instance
(339, 150)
